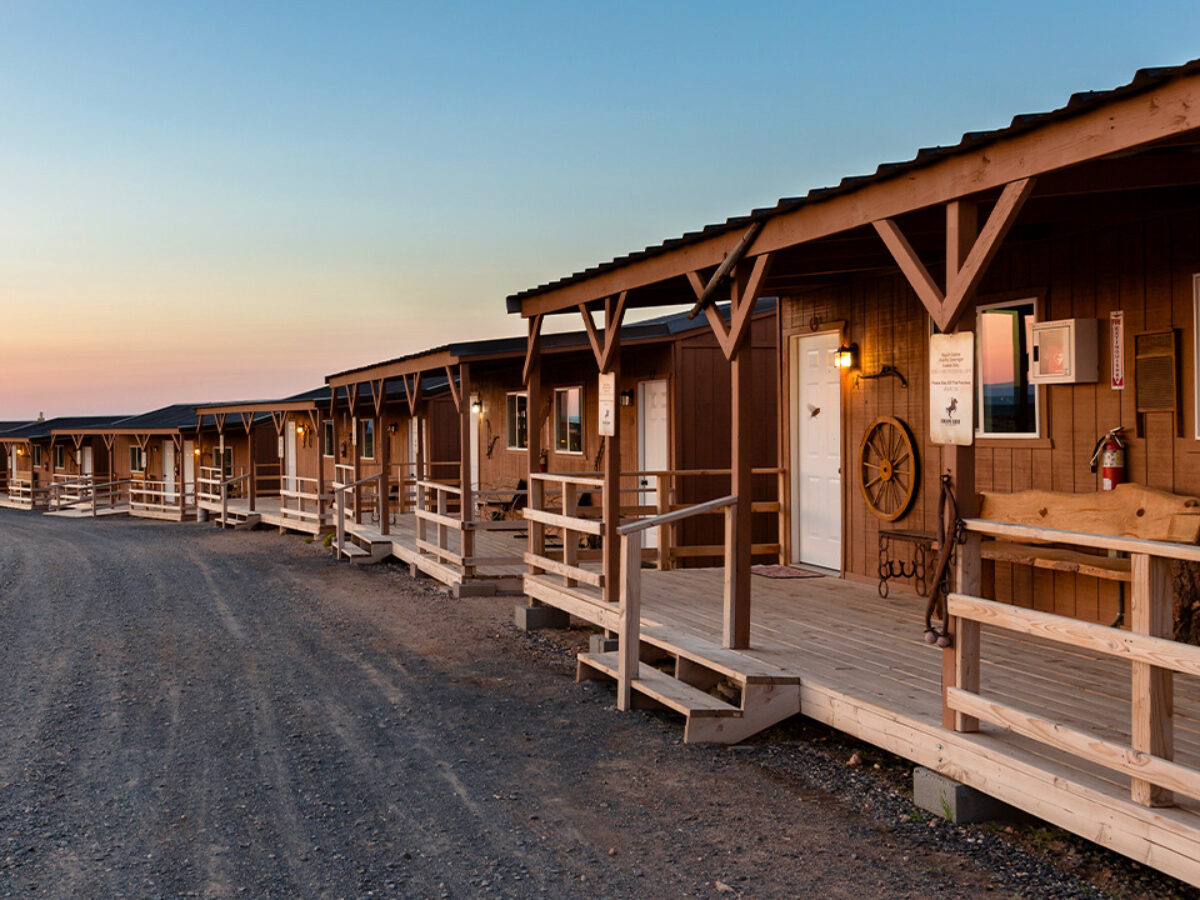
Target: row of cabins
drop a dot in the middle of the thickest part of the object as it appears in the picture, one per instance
(963, 325)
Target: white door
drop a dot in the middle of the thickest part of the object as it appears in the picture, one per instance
(86, 465)
(816, 451)
(189, 470)
(168, 472)
(289, 458)
(653, 451)
(474, 420)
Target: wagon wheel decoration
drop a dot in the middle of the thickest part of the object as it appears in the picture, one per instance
(887, 468)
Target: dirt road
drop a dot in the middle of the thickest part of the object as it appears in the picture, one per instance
(195, 713)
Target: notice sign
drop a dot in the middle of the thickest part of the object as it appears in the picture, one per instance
(1116, 330)
(952, 388)
(608, 404)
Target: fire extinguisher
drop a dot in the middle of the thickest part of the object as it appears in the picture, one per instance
(1110, 453)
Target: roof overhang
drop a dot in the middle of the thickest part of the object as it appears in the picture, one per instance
(1157, 112)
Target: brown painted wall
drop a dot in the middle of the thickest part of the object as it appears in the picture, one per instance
(1143, 267)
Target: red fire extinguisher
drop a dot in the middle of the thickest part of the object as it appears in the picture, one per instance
(1110, 452)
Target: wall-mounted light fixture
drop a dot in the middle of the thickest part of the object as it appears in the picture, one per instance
(392, 428)
(846, 356)
(627, 398)
(476, 403)
(301, 428)
(195, 451)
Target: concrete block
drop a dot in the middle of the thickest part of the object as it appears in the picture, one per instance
(475, 589)
(530, 618)
(956, 802)
(202, 515)
(598, 643)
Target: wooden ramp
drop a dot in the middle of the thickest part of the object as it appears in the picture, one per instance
(861, 666)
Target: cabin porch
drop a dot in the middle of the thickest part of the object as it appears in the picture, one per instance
(863, 667)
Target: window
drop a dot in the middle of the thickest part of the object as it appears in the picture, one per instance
(1008, 402)
(366, 438)
(327, 438)
(224, 461)
(568, 420)
(517, 421)
(60, 456)
(137, 459)
(37, 456)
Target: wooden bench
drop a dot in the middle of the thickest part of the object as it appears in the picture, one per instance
(1131, 510)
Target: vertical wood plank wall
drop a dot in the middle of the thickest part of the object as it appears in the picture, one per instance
(1143, 267)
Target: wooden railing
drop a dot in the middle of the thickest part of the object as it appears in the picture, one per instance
(1153, 656)
(630, 615)
(440, 515)
(303, 501)
(667, 486)
(156, 495)
(575, 525)
(209, 492)
(110, 494)
(69, 490)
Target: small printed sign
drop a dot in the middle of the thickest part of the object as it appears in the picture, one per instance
(608, 404)
(1116, 330)
(952, 388)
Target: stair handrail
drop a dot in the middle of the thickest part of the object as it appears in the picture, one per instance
(56, 488)
(339, 496)
(630, 613)
(107, 484)
(225, 483)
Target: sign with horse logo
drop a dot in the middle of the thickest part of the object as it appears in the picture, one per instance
(952, 388)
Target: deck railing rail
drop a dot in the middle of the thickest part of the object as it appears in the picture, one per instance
(157, 495)
(25, 489)
(576, 525)
(112, 493)
(69, 490)
(303, 500)
(1154, 657)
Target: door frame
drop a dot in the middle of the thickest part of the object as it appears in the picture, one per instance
(650, 537)
(793, 432)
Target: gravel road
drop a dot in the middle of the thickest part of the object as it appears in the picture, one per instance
(199, 713)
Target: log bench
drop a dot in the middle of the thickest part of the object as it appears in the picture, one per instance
(1131, 510)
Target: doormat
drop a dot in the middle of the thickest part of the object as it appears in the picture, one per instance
(784, 572)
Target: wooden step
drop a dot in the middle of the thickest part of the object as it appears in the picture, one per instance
(351, 550)
(731, 663)
(658, 686)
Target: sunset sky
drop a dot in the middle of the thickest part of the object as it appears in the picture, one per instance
(210, 201)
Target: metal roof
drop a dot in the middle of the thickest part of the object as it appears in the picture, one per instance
(663, 327)
(34, 430)
(1143, 80)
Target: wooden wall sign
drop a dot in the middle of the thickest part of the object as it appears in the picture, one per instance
(607, 399)
(952, 388)
(1116, 331)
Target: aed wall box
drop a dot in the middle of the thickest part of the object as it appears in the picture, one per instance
(1065, 351)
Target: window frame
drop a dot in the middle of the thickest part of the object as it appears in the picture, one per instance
(1039, 405)
(60, 457)
(510, 426)
(35, 456)
(362, 438)
(328, 442)
(138, 467)
(559, 392)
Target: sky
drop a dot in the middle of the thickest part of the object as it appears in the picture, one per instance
(218, 201)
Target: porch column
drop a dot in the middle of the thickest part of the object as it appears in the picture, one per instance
(385, 481)
(357, 472)
(252, 443)
(532, 376)
(321, 467)
(465, 453)
(418, 423)
(741, 421)
(611, 365)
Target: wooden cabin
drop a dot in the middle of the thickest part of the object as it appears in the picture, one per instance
(5, 461)
(47, 467)
(266, 463)
(473, 494)
(972, 320)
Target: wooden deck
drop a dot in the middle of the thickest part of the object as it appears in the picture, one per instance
(268, 511)
(865, 669)
(488, 579)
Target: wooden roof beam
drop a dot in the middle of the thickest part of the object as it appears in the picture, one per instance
(455, 393)
(741, 306)
(965, 268)
(734, 257)
(532, 346)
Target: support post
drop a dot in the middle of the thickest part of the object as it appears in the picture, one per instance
(959, 463)
(1152, 693)
(354, 436)
(630, 616)
(418, 423)
(533, 431)
(384, 440)
(467, 452)
(612, 477)
(741, 384)
(663, 506)
(321, 472)
(252, 489)
(968, 580)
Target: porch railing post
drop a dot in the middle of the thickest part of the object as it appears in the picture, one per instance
(570, 539)
(629, 622)
(340, 512)
(537, 531)
(728, 626)
(663, 505)
(224, 503)
(964, 651)
(1152, 692)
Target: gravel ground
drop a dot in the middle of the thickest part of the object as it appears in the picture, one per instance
(198, 713)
